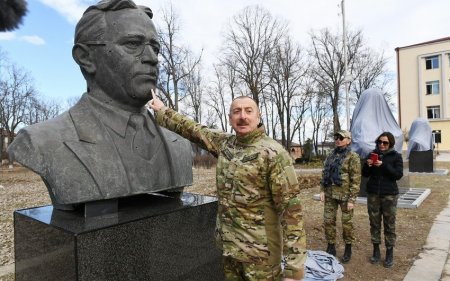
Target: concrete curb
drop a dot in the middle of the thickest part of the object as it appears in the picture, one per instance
(433, 261)
(446, 274)
(6, 269)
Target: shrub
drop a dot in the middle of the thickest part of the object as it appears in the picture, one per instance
(204, 161)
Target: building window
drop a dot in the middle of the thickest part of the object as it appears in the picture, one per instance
(437, 136)
(432, 88)
(432, 62)
(433, 112)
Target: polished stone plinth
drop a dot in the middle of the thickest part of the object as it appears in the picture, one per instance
(363, 187)
(421, 161)
(149, 238)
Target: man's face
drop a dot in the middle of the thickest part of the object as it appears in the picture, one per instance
(244, 116)
(127, 66)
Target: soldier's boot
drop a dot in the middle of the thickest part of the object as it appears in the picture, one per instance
(389, 261)
(331, 249)
(376, 254)
(347, 253)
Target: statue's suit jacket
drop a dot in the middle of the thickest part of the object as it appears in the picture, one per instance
(77, 159)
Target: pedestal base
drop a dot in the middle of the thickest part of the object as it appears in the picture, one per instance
(363, 187)
(421, 161)
(151, 238)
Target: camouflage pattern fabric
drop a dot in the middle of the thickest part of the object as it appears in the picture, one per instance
(351, 178)
(336, 196)
(382, 207)
(329, 216)
(260, 214)
(237, 271)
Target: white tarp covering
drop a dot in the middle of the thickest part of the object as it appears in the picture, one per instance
(372, 117)
(420, 136)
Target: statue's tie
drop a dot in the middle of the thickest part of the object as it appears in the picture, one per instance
(142, 139)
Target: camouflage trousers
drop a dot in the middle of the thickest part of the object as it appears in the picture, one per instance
(382, 207)
(240, 271)
(329, 216)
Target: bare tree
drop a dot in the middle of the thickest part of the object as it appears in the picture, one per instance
(210, 119)
(248, 43)
(40, 110)
(70, 102)
(193, 88)
(172, 67)
(16, 93)
(19, 101)
(217, 100)
(270, 117)
(299, 118)
(365, 65)
(370, 71)
(319, 112)
(224, 88)
(288, 73)
(328, 70)
(231, 78)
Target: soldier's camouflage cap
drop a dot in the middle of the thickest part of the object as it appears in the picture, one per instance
(344, 134)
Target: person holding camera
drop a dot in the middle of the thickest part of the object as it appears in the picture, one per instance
(339, 187)
(383, 167)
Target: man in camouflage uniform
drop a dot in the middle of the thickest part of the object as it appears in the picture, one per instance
(340, 187)
(259, 217)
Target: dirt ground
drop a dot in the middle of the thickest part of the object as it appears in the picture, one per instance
(20, 188)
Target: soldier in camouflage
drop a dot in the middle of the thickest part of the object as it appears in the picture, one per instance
(259, 217)
(339, 187)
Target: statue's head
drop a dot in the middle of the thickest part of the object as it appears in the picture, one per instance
(116, 46)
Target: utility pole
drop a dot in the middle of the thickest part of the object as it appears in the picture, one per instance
(344, 39)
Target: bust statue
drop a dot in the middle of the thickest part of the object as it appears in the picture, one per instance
(108, 145)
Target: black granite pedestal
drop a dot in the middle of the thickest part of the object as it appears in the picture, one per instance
(363, 183)
(149, 238)
(363, 187)
(421, 161)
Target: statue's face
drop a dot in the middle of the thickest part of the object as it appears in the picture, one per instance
(127, 66)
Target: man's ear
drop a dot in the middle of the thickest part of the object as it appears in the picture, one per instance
(81, 53)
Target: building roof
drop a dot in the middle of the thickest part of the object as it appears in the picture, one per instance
(425, 43)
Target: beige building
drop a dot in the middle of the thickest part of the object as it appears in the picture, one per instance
(423, 83)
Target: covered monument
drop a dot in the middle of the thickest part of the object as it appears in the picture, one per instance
(420, 146)
(371, 117)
